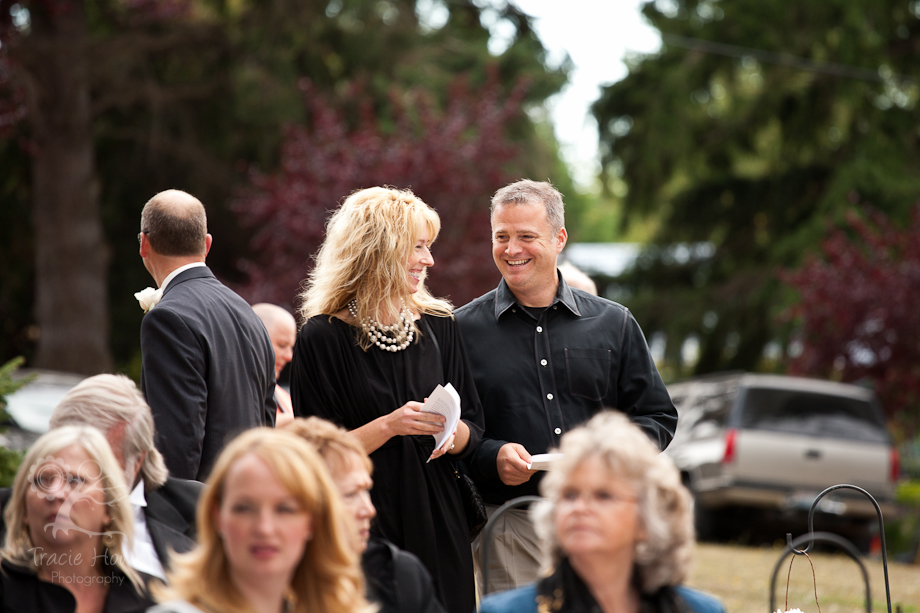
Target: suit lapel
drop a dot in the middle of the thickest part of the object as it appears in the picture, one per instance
(167, 540)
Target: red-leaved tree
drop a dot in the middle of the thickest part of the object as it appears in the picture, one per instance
(453, 158)
(860, 311)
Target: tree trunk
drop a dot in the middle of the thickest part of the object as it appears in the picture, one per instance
(71, 306)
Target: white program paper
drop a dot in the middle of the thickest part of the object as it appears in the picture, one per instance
(444, 400)
(542, 461)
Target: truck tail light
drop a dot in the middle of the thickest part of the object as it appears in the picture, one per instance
(730, 436)
(895, 462)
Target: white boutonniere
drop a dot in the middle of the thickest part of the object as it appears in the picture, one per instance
(148, 298)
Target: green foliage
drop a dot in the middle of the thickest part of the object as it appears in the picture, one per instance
(195, 99)
(902, 533)
(745, 151)
(9, 459)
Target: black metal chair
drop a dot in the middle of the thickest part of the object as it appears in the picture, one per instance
(844, 544)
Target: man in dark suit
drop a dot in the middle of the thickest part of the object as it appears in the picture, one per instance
(208, 364)
(164, 507)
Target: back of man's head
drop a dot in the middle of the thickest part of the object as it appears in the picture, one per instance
(272, 315)
(114, 405)
(175, 224)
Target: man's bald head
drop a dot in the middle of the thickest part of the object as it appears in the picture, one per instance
(175, 224)
(282, 331)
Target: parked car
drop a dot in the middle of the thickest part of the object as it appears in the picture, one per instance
(754, 447)
(31, 406)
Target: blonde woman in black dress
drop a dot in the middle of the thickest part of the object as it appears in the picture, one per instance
(374, 344)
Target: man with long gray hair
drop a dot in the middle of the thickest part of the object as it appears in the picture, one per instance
(164, 507)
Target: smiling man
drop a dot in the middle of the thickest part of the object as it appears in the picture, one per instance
(545, 358)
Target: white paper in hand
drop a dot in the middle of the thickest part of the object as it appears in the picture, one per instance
(542, 461)
(444, 400)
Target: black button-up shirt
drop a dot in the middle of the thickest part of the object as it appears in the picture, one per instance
(538, 378)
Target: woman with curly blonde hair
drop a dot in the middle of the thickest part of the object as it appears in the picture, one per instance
(272, 536)
(68, 520)
(373, 346)
(617, 529)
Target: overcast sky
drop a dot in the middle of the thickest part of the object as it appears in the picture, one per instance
(597, 35)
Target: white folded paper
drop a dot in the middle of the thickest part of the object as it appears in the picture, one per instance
(444, 400)
(542, 461)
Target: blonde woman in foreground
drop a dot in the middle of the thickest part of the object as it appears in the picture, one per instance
(617, 529)
(272, 536)
(68, 520)
(395, 579)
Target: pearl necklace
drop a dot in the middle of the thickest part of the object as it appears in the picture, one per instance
(389, 338)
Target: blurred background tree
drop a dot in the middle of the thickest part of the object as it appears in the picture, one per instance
(198, 94)
(858, 311)
(756, 124)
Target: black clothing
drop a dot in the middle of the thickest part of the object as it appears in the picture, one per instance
(565, 592)
(397, 580)
(21, 591)
(208, 371)
(170, 516)
(418, 503)
(538, 378)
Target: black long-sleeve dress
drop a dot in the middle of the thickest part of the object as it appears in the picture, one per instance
(418, 505)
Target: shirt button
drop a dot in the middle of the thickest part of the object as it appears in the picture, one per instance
(539, 328)
(514, 310)
(542, 362)
(558, 430)
(549, 396)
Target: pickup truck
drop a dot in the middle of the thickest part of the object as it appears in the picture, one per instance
(755, 447)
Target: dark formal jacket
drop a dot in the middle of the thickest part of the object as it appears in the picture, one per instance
(208, 371)
(542, 372)
(21, 591)
(170, 516)
(397, 580)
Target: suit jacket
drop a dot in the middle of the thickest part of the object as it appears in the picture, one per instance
(208, 371)
(170, 516)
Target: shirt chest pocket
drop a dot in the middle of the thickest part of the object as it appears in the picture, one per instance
(587, 371)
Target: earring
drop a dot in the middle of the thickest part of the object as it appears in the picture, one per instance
(642, 549)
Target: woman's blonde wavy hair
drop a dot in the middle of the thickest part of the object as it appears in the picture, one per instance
(328, 578)
(18, 548)
(365, 257)
(664, 504)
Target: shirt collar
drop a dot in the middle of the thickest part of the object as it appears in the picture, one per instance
(504, 298)
(137, 497)
(177, 271)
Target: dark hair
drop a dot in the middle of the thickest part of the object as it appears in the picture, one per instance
(175, 224)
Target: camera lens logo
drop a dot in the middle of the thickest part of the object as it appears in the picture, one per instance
(47, 475)
(53, 479)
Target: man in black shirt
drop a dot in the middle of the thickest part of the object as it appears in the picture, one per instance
(545, 359)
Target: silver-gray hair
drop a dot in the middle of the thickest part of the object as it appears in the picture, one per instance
(664, 504)
(108, 402)
(526, 191)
